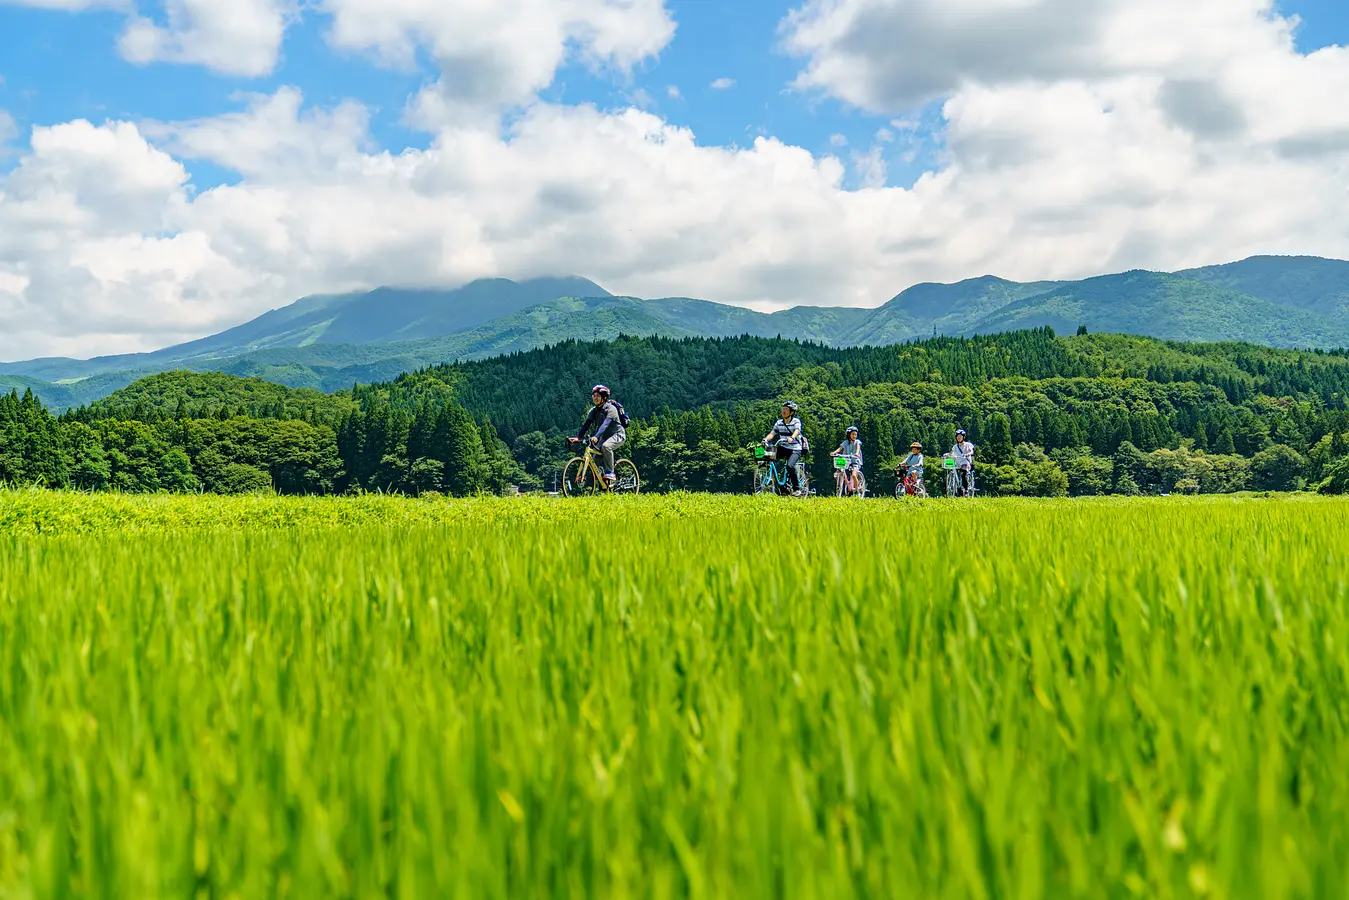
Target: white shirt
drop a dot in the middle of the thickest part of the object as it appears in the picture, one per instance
(963, 451)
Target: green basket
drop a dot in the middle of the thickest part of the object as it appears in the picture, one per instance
(840, 462)
(760, 452)
(948, 462)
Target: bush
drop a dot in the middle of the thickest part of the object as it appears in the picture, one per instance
(1279, 468)
(1031, 474)
(239, 478)
(1088, 475)
(1337, 477)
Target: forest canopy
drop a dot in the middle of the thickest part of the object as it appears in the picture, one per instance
(1086, 414)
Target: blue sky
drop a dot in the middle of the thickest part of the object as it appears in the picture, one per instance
(58, 66)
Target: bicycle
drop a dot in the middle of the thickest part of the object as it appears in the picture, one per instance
(953, 477)
(842, 487)
(581, 476)
(771, 479)
(910, 484)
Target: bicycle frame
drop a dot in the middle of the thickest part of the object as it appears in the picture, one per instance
(778, 479)
(588, 466)
(842, 486)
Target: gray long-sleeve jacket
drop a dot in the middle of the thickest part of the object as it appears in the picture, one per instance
(604, 419)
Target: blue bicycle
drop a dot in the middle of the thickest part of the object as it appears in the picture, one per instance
(771, 478)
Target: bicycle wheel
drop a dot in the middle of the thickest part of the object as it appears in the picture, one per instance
(952, 484)
(899, 491)
(861, 485)
(627, 480)
(920, 491)
(839, 486)
(577, 479)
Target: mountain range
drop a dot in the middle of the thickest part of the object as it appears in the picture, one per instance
(329, 342)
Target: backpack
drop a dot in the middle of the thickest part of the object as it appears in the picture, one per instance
(622, 416)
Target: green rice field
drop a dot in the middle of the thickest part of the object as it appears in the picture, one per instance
(680, 696)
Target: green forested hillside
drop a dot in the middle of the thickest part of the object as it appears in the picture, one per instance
(211, 394)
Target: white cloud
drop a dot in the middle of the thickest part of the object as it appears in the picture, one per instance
(8, 128)
(673, 93)
(235, 37)
(894, 55)
(490, 54)
(723, 84)
(870, 168)
(838, 140)
(499, 53)
(1122, 153)
(71, 5)
(238, 37)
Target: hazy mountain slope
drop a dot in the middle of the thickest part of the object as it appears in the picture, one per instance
(388, 314)
(58, 397)
(332, 367)
(1167, 306)
(381, 315)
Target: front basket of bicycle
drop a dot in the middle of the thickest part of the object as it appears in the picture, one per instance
(765, 453)
(948, 462)
(840, 462)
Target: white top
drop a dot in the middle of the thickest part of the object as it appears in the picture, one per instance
(963, 451)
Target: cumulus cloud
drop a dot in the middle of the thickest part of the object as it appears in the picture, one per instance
(238, 37)
(723, 84)
(894, 55)
(489, 54)
(235, 37)
(70, 5)
(90, 242)
(497, 54)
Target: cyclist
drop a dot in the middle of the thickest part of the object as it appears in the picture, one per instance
(787, 433)
(852, 449)
(609, 431)
(963, 451)
(913, 464)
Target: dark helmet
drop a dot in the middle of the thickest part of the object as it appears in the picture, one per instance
(850, 429)
(959, 432)
(601, 390)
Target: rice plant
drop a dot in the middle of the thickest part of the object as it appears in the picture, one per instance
(673, 696)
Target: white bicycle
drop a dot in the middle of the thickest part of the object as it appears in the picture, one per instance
(948, 463)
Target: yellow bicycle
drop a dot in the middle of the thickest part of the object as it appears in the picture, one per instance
(581, 476)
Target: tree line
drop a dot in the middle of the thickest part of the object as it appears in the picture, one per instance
(1051, 416)
(375, 448)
